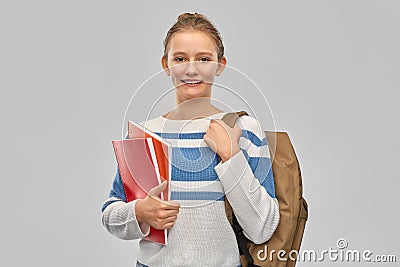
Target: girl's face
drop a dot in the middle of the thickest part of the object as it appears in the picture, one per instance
(192, 63)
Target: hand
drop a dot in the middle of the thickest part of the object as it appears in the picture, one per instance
(223, 139)
(156, 212)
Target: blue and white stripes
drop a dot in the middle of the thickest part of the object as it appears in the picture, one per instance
(202, 233)
(193, 161)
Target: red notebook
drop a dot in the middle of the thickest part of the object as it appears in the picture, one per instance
(139, 171)
(162, 147)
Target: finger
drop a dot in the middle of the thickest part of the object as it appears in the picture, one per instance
(168, 225)
(171, 219)
(174, 202)
(210, 143)
(167, 215)
(156, 191)
(221, 122)
(169, 222)
(170, 213)
(215, 121)
(172, 205)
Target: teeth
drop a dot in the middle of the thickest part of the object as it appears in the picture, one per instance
(192, 82)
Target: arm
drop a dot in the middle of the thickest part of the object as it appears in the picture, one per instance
(119, 217)
(248, 182)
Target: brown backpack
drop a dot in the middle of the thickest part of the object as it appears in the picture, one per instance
(293, 207)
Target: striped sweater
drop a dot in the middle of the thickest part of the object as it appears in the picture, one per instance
(202, 235)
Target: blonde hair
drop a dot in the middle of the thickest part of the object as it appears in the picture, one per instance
(196, 21)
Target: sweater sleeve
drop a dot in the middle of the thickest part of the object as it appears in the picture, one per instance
(120, 220)
(119, 217)
(248, 182)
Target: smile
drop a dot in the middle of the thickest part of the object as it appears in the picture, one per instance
(191, 82)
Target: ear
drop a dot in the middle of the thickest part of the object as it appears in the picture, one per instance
(165, 65)
(221, 66)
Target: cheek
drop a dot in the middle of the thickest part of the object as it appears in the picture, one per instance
(207, 72)
(177, 72)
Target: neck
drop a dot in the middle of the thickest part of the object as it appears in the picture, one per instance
(193, 109)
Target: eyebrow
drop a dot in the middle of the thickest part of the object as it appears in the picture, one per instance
(200, 53)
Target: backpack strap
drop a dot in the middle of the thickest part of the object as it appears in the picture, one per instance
(230, 120)
(242, 241)
(231, 117)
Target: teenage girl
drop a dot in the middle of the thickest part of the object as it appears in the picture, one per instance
(199, 233)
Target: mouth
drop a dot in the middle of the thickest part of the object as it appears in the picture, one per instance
(192, 83)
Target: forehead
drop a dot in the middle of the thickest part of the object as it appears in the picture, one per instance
(192, 42)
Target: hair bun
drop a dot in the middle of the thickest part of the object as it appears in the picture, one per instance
(187, 15)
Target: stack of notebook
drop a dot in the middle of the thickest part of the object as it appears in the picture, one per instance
(144, 162)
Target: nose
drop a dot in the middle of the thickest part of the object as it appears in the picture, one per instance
(191, 68)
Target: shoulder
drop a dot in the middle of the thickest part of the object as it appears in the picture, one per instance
(154, 124)
(251, 125)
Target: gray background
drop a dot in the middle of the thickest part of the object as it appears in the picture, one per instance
(329, 69)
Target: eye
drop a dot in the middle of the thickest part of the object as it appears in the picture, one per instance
(179, 59)
(204, 59)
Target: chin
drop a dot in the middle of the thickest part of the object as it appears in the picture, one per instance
(193, 92)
